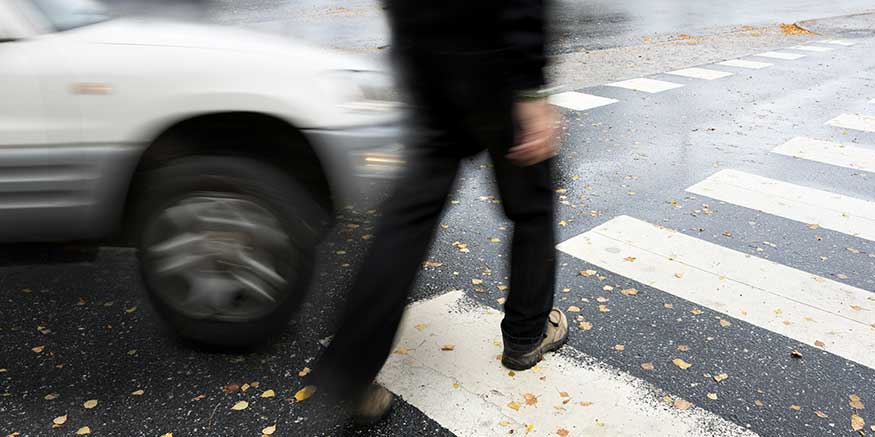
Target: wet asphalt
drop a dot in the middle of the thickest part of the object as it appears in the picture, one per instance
(101, 340)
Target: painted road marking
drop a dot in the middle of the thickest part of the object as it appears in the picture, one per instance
(854, 121)
(741, 63)
(579, 101)
(700, 73)
(781, 55)
(646, 85)
(467, 390)
(829, 153)
(807, 205)
(796, 304)
(839, 42)
(813, 48)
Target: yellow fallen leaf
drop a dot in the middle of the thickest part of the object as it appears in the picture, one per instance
(51, 396)
(721, 377)
(89, 404)
(668, 306)
(712, 396)
(268, 394)
(530, 399)
(494, 240)
(588, 273)
(138, 392)
(604, 309)
(84, 430)
(401, 351)
(795, 407)
(37, 349)
(421, 326)
(60, 420)
(448, 347)
(501, 300)
(758, 403)
(304, 372)
(573, 309)
(647, 366)
(857, 422)
(584, 403)
(586, 326)
(169, 434)
(630, 259)
(821, 414)
(530, 427)
(855, 402)
(476, 281)
(513, 405)
(682, 405)
(629, 292)
(432, 264)
(305, 393)
(269, 430)
(501, 287)
(240, 405)
(619, 347)
(681, 363)
(725, 323)
(696, 312)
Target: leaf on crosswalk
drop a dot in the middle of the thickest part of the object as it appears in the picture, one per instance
(857, 422)
(630, 259)
(681, 363)
(513, 405)
(530, 399)
(562, 432)
(448, 347)
(584, 403)
(682, 404)
(819, 343)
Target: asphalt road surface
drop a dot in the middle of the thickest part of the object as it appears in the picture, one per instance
(717, 263)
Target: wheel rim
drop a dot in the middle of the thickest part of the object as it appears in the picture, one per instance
(219, 256)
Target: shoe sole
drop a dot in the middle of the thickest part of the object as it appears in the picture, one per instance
(520, 366)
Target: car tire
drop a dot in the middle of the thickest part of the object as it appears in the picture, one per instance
(208, 221)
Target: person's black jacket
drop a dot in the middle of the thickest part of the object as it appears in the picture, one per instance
(513, 31)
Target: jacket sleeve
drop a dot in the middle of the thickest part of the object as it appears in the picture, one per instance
(524, 34)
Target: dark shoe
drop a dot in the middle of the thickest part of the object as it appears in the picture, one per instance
(373, 406)
(555, 336)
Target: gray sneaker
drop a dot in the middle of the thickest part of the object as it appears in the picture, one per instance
(555, 336)
(373, 406)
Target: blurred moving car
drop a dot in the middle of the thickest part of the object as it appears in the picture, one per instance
(218, 153)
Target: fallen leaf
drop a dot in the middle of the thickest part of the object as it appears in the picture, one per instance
(501, 287)
(501, 300)
(681, 363)
(199, 397)
(683, 348)
(84, 430)
(586, 326)
(796, 354)
(401, 351)
(758, 403)
(821, 414)
(856, 308)
(725, 323)
(244, 387)
(588, 273)
(269, 430)
(721, 377)
(304, 372)
(140, 392)
(604, 309)
(448, 347)
(573, 309)
(37, 349)
(513, 405)
(712, 396)
(562, 432)
(629, 292)
(601, 299)
(727, 234)
(60, 420)
(432, 264)
(240, 405)
(668, 306)
(268, 394)
(476, 281)
(647, 366)
(530, 399)
(630, 259)
(679, 275)
(819, 343)
(230, 388)
(682, 405)
(857, 422)
(608, 288)
(584, 403)
(421, 326)
(51, 396)
(305, 393)
(795, 407)
(696, 312)
(855, 402)
(619, 347)
(169, 434)
(564, 394)
(89, 404)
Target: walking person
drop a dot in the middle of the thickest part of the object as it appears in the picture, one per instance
(475, 74)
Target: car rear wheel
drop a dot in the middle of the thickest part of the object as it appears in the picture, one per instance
(226, 247)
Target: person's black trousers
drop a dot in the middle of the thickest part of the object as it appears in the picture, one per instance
(462, 108)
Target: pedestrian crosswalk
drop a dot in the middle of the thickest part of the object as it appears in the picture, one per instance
(651, 86)
(826, 152)
(860, 122)
(781, 55)
(701, 73)
(446, 364)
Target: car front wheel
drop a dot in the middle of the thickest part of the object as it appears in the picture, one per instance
(226, 247)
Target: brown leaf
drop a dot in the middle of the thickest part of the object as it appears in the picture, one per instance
(448, 347)
(682, 405)
(857, 422)
(696, 312)
(37, 349)
(725, 323)
(530, 399)
(432, 264)
(681, 363)
(199, 397)
(683, 348)
(819, 343)
(588, 273)
(630, 259)
(230, 388)
(647, 366)
(796, 354)
(721, 377)
(562, 432)
(821, 414)
(584, 403)
(629, 292)
(304, 372)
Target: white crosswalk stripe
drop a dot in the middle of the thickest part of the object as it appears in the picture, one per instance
(700, 73)
(827, 152)
(859, 122)
(837, 42)
(741, 63)
(468, 391)
(579, 101)
(781, 55)
(807, 205)
(646, 85)
(818, 49)
(802, 306)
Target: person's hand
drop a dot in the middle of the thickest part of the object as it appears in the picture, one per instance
(536, 140)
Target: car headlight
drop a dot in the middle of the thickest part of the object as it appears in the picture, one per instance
(364, 90)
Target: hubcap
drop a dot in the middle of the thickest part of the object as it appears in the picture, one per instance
(219, 256)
